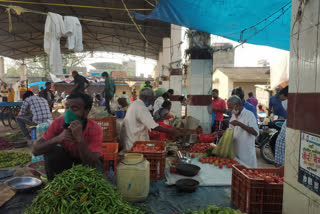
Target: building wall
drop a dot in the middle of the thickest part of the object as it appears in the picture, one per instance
(303, 105)
(263, 97)
(248, 87)
(221, 82)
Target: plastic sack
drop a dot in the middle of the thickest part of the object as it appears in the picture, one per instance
(224, 148)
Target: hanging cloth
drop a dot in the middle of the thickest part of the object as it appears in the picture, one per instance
(73, 33)
(54, 30)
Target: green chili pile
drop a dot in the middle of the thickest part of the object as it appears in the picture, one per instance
(10, 158)
(80, 190)
(14, 137)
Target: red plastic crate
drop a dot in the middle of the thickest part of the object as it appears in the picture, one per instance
(110, 152)
(108, 125)
(254, 196)
(157, 160)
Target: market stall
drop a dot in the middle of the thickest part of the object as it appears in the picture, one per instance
(147, 179)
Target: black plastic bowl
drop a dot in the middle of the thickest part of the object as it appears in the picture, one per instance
(187, 185)
(186, 169)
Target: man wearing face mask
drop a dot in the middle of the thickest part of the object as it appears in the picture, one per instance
(239, 92)
(138, 121)
(281, 139)
(72, 139)
(245, 130)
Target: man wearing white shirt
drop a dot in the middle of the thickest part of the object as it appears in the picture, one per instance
(159, 101)
(138, 121)
(245, 129)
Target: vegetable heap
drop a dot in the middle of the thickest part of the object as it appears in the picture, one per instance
(219, 161)
(4, 144)
(146, 148)
(80, 190)
(10, 158)
(199, 147)
(214, 210)
(269, 178)
(14, 137)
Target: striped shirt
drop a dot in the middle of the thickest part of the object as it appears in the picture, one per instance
(38, 107)
(281, 145)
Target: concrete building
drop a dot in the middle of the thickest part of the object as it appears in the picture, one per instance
(226, 78)
(130, 68)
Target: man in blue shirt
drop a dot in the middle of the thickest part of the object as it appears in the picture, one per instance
(275, 105)
(239, 92)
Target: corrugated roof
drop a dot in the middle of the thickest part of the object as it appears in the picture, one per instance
(246, 73)
(26, 38)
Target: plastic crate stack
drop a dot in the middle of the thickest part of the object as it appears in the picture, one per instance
(157, 160)
(110, 145)
(256, 196)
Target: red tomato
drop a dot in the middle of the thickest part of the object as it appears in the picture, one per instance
(250, 172)
(220, 165)
(193, 156)
(229, 165)
(256, 172)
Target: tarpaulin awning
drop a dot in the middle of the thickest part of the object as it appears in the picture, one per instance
(258, 22)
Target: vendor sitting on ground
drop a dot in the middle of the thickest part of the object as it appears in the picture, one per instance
(163, 114)
(34, 110)
(138, 121)
(245, 129)
(63, 144)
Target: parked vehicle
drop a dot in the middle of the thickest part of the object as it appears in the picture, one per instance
(266, 141)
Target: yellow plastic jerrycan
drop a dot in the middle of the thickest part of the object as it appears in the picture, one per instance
(133, 177)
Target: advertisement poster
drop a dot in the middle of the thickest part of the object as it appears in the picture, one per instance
(309, 163)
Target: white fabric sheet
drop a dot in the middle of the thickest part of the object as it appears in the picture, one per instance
(54, 30)
(209, 175)
(74, 33)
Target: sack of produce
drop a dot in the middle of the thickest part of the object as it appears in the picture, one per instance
(225, 147)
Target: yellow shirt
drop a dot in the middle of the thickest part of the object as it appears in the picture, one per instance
(11, 95)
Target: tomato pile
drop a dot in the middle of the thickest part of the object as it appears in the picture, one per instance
(256, 174)
(219, 161)
(199, 147)
(146, 148)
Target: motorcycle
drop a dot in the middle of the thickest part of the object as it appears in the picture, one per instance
(266, 141)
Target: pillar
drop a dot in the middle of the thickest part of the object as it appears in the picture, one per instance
(176, 68)
(159, 67)
(2, 75)
(23, 72)
(301, 192)
(199, 83)
(166, 59)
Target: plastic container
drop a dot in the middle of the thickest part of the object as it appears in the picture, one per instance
(110, 153)
(120, 114)
(133, 180)
(256, 196)
(108, 125)
(157, 159)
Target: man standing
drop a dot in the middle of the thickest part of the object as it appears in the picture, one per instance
(109, 90)
(252, 100)
(48, 95)
(239, 92)
(280, 146)
(34, 110)
(138, 121)
(218, 108)
(245, 129)
(275, 105)
(80, 83)
(81, 140)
